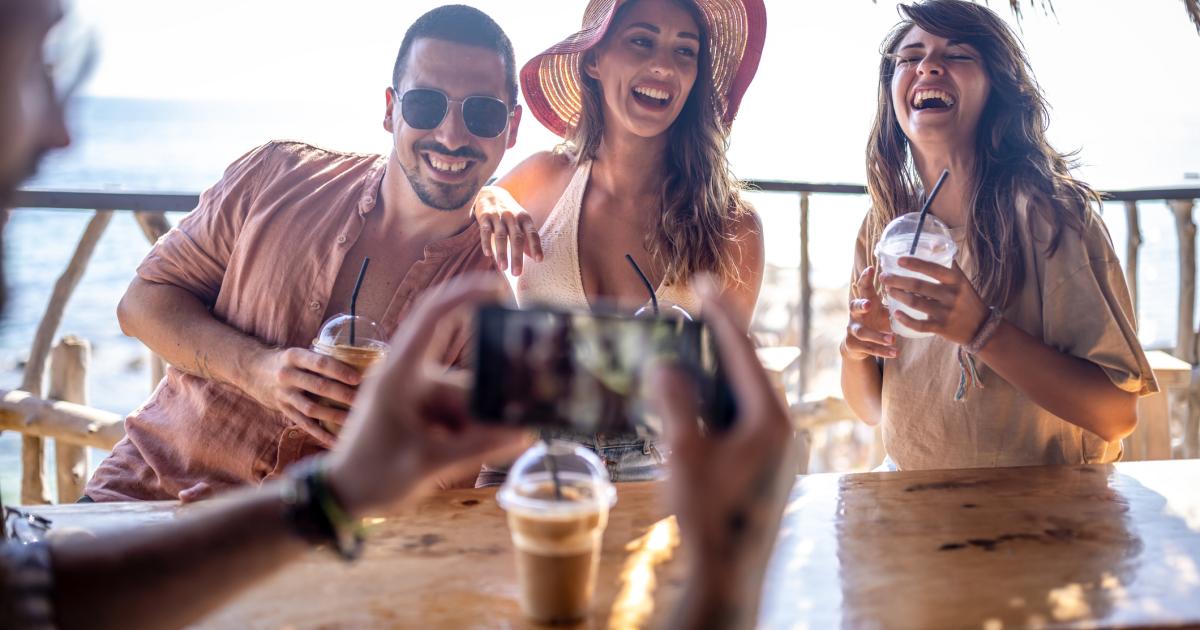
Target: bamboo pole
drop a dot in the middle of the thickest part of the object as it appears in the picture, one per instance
(68, 382)
(33, 455)
(154, 226)
(69, 422)
(1133, 242)
(805, 298)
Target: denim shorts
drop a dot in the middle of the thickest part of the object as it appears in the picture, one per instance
(627, 456)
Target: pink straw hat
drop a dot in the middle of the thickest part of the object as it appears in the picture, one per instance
(736, 30)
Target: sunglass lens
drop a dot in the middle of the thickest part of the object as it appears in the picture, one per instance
(485, 116)
(423, 109)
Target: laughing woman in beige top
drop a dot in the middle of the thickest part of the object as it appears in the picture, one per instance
(644, 96)
(1035, 357)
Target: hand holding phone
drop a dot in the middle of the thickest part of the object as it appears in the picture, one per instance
(581, 372)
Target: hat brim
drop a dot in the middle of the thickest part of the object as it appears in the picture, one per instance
(736, 32)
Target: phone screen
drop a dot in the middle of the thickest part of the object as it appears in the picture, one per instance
(582, 372)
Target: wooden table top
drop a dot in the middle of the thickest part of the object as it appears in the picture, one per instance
(1079, 546)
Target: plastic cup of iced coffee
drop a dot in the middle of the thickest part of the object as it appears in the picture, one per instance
(360, 351)
(936, 244)
(556, 533)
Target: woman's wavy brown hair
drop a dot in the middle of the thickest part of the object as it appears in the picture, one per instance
(701, 198)
(1013, 157)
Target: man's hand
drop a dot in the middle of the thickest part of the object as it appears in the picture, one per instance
(727, 489)
(411, 426)
(287, 379)
(502, 220)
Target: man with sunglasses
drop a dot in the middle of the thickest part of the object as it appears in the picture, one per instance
(233, 297)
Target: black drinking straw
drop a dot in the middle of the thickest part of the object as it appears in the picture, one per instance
(553, 466)
(645, 281)
(925, 210)
(354, 296)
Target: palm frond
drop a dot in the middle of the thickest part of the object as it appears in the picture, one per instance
(1047, 7)
(1193, 9)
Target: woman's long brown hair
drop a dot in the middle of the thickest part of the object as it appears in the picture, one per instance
(700, 196)
(1013, 157)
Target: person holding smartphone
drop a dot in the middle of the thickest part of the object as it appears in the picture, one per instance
(410, 429)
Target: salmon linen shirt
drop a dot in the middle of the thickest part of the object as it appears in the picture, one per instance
(262, 250)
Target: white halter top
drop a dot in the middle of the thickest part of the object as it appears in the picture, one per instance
(557, 280)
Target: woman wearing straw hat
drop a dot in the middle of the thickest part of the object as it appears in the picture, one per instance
(644, 96)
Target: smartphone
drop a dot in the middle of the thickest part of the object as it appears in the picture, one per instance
(582, 372)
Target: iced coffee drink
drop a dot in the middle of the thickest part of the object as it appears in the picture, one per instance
(557, 530)
(360, 350)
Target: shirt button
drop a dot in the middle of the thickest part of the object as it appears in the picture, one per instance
(293, 434)
(314, 305)
(341, 239)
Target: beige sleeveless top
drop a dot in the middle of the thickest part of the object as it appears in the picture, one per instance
(557, 280)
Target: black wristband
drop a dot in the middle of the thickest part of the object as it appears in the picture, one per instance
(314, 513)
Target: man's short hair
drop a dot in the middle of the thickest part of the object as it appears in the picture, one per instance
(460, 24)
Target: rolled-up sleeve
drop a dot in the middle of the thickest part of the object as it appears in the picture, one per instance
(1089, 314)
(194, 255)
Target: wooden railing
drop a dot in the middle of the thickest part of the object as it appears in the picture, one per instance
(61, 413)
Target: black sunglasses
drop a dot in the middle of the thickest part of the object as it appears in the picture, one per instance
(424, 108)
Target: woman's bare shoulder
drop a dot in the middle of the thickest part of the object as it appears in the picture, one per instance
(539, 180)
(747, 224)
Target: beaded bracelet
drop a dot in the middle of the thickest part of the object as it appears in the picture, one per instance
(989, 327)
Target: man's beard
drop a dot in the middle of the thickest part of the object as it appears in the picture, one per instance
(445, 197)
(440, 196)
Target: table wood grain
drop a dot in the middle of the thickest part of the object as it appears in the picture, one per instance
(1078, 546)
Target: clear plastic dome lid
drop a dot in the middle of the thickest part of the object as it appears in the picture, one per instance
(665, 309)
(336, 332)
(583, 484)
(905, 226)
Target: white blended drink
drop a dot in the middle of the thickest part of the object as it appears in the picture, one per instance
(936, 245)
(557, 533)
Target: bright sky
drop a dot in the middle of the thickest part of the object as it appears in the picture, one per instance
(1122, 76)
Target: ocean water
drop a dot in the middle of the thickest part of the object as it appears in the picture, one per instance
(140, 145)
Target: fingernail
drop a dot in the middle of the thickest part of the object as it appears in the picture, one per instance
(889, 339)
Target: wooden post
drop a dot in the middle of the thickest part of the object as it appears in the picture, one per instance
(805, 299)
(1185, 337)
(154, 225)
(1185, 346)
(33, 455)
(1133, 241)
(158, 370)
(68, 382)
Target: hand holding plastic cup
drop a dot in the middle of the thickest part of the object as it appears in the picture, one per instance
(557, 527)
(936, 244)
(362, 350)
